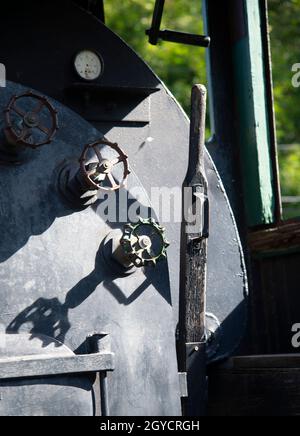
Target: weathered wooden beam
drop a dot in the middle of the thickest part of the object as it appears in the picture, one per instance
(194, 259)
(284, 237)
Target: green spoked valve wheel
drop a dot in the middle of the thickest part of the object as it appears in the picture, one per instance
(145, 243)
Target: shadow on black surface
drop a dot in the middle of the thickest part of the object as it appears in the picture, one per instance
(50, 317)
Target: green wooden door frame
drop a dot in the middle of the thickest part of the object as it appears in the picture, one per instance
(254, 114)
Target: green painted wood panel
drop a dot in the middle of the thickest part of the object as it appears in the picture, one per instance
(253, 123)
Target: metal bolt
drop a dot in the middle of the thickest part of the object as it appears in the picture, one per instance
(145, 242)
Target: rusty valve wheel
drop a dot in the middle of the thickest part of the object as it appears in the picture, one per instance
(99, 174)
(32, 127)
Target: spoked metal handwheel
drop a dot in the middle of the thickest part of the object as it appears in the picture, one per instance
(101, 171)
(145, 243)
(30, 120)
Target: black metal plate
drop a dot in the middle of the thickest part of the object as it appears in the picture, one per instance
(54, 280)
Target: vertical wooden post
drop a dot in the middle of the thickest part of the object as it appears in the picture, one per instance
(193, 268)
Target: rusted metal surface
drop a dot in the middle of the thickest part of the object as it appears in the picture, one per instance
(80, 180)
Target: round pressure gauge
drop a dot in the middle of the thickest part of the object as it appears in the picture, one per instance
(88, 65)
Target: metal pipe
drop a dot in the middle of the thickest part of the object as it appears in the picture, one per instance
(156, 21)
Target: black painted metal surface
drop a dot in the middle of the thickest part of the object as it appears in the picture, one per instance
(51, 396)
(150, 126)
(55, 282)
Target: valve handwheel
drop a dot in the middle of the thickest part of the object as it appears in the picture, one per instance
(30, 120)
(100, 173)
(145, 243)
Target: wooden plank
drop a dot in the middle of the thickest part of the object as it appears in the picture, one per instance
(266, 393)
(284, 237)
(274, 305)
(194, 261)
(281, 361)
(195, 243)
(256, 386)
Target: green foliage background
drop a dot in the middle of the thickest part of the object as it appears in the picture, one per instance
(285, 43)
(177, 65)
(180, 66)
(285, 38)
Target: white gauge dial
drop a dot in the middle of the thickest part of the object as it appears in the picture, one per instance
(88, 65)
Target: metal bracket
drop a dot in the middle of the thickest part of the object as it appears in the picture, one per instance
(183, 384)
(213, 336)
(46, 366)
(196, 378)
(201, 225)
(170, 35)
